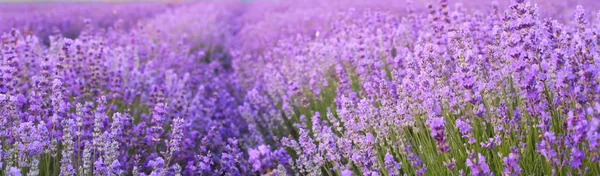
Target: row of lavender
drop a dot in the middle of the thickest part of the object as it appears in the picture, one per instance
(452, 90)
(308, 88)
(157, 98)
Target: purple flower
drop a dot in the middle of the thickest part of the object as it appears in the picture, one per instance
(155, 129)
(478, 165)
(415, 161)
(511, 163)
(392, 167)
(190, 168)
(577, 157)
(580, 17)
(253, 154)
(577, 125)
(346, 172)
(99, 166)
(450, 164)
(281, 171)
(254, 158)
(176, 135)
(14, 171)
(232, 158)
(308, 146)
(264, 149)
(1, 155)
(115, 167)
(545, 147)
(66, 166)
(491, 143)
(436, 125)
(464, 127)
(157, 165)
(593, 134)
(205, 163)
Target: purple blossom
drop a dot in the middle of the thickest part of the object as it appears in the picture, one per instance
(254, 158)
(464, 128)
(68, 148)
(232, 158)
(415, 161)
(346, 172)
(491, 143)
(593, 134)
(478, 164)
(392, 167)
(545, 147)
(577, 157)
(176, 135)
(511, 163)
(436, 125)
(450, 164)
(155, 129)
(205, 162)
(14, 171)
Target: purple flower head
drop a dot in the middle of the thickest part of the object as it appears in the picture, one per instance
(478, 165)
(346, 172)
(436, 125)
(593, 134)
(511, 163)
(281, 171)
(156, 163)
(491, 143)
(264, 149)
(392, 167)
(253, 154)
(450, 164)
(205, 163)
(155, 129)
(415, 162)
(580, 17)
(464, 127)
(14, 171)
(577, 125)
(546, 147)
(577, 157)
(176, 135)
(232, 158)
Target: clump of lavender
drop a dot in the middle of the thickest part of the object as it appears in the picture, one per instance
(392, 167)
(477, 164)
(511, 163)
(436, 125)
(464, 127)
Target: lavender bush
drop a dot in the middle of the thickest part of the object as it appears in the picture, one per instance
(302, 88)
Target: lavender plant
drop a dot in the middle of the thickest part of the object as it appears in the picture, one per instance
(311, 87)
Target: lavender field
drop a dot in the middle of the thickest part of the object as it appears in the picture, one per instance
(303, 87)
